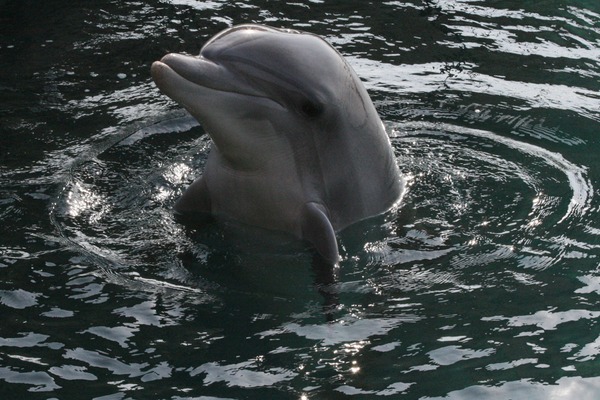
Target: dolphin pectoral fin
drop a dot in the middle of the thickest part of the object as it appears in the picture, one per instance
(195, 199)
(317, 229)
(326, 280)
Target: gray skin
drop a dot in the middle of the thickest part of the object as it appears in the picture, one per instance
(297, 146)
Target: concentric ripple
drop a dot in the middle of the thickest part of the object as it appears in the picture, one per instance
(474, 198)
(481, 202)
(115, 206)
(455, 154)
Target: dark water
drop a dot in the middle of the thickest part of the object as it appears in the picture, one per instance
(484, 283)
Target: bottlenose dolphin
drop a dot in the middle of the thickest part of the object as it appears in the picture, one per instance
(297, 145)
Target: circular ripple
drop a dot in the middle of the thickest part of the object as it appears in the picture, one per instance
(479, 202)
(115, 207)
(474, 199)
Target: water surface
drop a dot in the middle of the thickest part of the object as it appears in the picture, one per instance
(483, 283)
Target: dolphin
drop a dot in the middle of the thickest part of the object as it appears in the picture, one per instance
(297, 145)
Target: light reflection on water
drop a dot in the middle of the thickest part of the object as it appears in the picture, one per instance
(431, 77)
(483, 282)
(443, 240)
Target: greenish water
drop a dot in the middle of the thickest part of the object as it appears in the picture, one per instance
(483, 283)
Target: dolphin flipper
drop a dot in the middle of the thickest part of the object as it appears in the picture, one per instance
(317, 229)
(195, 199)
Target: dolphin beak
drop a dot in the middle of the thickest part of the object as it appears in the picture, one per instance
(199, 71)
(159, 70)
(171, 83)
(192, 69)
(184, 78)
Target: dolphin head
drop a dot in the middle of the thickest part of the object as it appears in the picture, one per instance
(250, 83)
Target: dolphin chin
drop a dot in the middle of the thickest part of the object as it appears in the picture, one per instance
(297, 144)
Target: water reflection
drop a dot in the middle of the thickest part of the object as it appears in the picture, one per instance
(483, 282)
(567, 387)
(82, 199)
(242, 375)
(343, 331)
(435, 77)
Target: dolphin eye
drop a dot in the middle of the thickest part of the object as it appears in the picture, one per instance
(310, 109)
